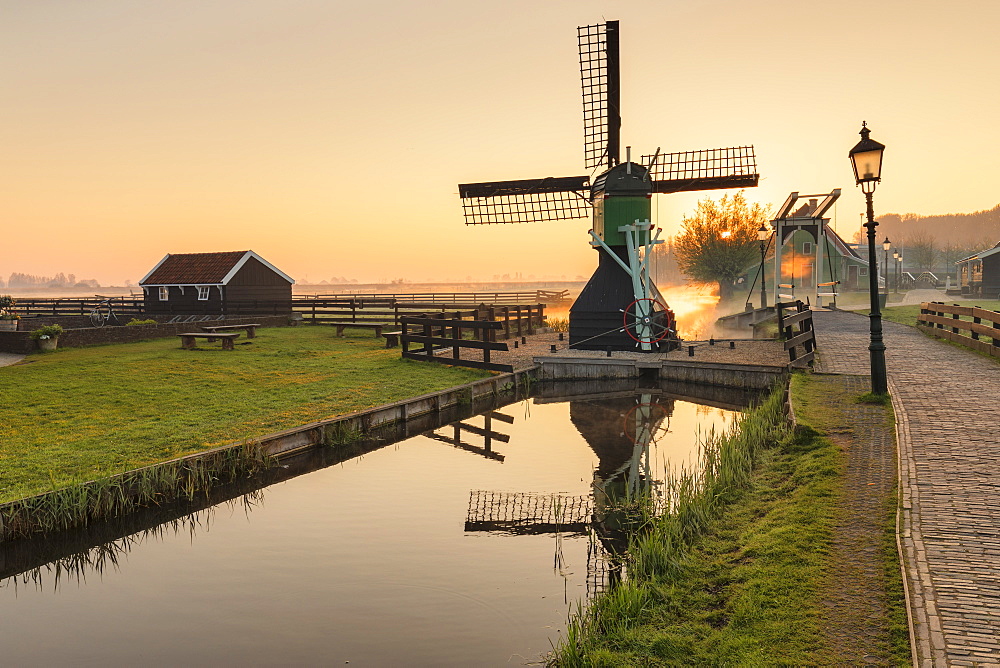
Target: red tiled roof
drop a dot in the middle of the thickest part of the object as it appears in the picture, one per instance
(187, 268)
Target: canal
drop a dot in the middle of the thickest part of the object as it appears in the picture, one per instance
(466, 545)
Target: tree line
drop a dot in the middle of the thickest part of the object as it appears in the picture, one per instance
(60, 280)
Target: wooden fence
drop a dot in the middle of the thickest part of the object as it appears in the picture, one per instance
(547, 297)
(436, 333)
(798, 333)
(36, 307)
(945, 321)
(516, 320)
(374, 308)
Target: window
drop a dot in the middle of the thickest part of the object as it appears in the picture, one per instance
(807, 248)
(164, 293)
(203, 293)
(862, 271)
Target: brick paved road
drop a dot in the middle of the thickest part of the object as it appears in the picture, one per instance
(947, 403)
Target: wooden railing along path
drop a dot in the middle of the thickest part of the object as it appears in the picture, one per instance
(798, 333)
(945, 321)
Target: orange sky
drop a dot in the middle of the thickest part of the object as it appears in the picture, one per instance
(330, 137)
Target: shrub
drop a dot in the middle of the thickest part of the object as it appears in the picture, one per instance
(6, 304)
(47, 332)
(135, 321)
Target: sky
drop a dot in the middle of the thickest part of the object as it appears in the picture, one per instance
(330, 137)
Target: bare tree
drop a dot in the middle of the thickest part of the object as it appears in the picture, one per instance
(718, 243)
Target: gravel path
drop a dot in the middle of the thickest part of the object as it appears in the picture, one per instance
(6, 359)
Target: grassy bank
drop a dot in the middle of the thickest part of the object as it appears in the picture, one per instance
(739, 573)
(84, 413)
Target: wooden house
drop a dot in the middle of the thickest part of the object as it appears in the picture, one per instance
(229, 283)
(979, 274)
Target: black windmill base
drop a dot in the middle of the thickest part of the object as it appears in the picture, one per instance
(597, 319)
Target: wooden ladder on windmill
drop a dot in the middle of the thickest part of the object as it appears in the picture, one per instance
(620, 308)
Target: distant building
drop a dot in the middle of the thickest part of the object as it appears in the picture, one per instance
(229, 283)
(979, 274)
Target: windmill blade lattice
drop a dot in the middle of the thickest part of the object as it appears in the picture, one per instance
(601, 84)
(526, 201)
(709, 169)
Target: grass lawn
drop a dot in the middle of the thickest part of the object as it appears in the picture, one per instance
(81, 413)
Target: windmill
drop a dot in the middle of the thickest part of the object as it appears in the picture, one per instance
(620, 307)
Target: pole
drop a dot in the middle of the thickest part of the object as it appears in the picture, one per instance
(885, 269)
(763, 289)
(876, 348)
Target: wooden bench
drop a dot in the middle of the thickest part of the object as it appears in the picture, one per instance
(377, 326)
(250, 328)
(188, 339)
(391, 339)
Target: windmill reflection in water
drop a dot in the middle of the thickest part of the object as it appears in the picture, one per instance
(620, 428)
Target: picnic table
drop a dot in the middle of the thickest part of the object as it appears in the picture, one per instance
(250, 328)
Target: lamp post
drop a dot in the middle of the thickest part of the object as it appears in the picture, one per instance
(886, 245)
(900, 260)
(895, 266)
(763, 234)
(866, 158)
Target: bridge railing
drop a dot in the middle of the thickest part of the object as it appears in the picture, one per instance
(796, 328)
(962, 324)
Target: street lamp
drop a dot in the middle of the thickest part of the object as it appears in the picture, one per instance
(895, 273)
(763, 234)
(900, 261)
(866, 158)
(886, 245)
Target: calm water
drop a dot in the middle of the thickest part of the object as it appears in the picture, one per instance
(426, 552)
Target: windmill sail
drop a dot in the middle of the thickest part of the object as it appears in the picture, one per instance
(526, 201)
(709, 169)
(601, 84)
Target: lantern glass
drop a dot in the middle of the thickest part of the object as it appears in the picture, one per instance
(886, 245)
(867, 165)
(763, 233)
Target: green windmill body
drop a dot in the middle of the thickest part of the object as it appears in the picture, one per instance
(620, 307)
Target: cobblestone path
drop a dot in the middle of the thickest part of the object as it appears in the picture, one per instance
(947, 404)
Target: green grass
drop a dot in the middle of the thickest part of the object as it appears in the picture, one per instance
(79, 414)
(735, 575)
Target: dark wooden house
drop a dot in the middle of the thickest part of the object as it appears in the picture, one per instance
(979, 274)
(230, 283)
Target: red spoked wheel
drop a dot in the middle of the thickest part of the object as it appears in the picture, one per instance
(651, 418)
(641, 313)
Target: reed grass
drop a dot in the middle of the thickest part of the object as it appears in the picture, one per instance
(77, 505)
(664, 530)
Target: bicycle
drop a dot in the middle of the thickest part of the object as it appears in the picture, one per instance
(103, 313)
